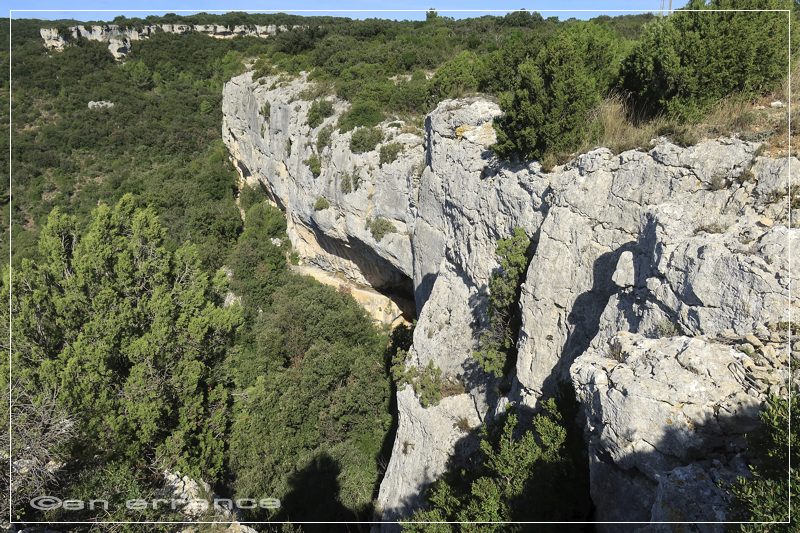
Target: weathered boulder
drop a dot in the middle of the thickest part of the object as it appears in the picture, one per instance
(658, 412)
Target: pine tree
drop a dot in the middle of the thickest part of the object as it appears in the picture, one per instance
(129, 334)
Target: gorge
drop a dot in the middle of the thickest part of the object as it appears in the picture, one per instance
(652, 273)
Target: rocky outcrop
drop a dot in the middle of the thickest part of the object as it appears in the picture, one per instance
(657, 410)
(196, 502)
(119, 39)
(271, 150)
(673, 240)
(640, 239)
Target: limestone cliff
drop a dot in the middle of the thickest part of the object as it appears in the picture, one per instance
(119, 39)
(674, 240)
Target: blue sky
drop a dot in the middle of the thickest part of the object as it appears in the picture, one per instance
(391, 9)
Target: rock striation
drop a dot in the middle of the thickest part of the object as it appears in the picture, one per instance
(693, 241)
(658, 410)
(119, 39)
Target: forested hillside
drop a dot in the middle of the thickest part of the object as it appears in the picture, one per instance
(154, 319)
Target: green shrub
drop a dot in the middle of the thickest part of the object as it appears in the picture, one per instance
(316, 410)
(321, 204)
(410, 96)
(288, 147)
(667, 328)
(360, 115)
(261, 68)
(549, 108)
(540, 475)
(320, 110)
(265, 110)
(315, 164)
(427, 382)
(162, 301)
(379, 227)
(350, 182)
(685, 63)
(249, 196)
(389, 152)
(256, 262)
(499, 340)
(365, 139)
(765, 496)
(453, 77)
(324, 138)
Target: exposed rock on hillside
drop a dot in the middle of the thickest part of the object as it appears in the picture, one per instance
(119, 39)
(674, 240)
(660, 410)
(272, 151)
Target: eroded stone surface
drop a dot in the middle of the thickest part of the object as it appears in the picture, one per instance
(640, 242)
(665, 421)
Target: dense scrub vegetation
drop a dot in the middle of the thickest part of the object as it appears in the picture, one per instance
(120, 220)
(539, 475)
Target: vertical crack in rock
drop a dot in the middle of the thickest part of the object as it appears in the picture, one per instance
(636, 242)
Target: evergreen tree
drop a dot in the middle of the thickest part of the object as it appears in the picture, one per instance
(548, 109)
(687, 62)
(129, 334)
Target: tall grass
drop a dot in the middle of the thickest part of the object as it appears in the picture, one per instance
(619, 126)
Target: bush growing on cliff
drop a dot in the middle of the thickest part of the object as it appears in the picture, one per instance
(765, 496)
(379, 227)
(319, 111)
(324, 138)
(314, 164)
(360, 115)
(350, 181)
(426, 382)
(499, 340)
(541, 475)
(389, 152)
(321, 204)
(365, 139)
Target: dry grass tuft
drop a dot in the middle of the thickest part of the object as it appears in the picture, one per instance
(617, 126)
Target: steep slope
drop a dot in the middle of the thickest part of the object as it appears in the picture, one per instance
(693, 238)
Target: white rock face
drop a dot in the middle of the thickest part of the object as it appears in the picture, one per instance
(638, 239)
(662, 413)
(637, 242)
(119, 39)
(271, 152)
